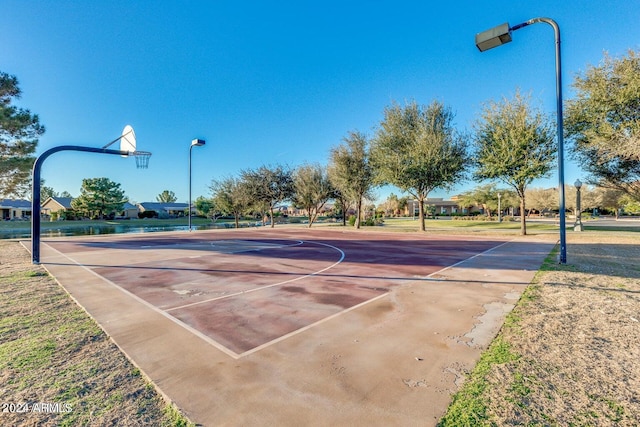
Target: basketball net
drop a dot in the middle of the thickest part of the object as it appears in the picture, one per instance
(142, 159)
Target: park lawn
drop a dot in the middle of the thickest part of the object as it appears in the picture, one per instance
(469, 225)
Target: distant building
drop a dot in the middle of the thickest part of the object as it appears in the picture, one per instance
(441, 206)
(15, 209)
(56, 204)
(129, 211)
(165, 209)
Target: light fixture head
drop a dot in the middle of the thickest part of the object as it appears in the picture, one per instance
(578, 184)
(494, 37)
(197, 142)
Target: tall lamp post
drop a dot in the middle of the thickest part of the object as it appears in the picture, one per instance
(500, 35)
(578, 225)
(499, 208)
(194, 143)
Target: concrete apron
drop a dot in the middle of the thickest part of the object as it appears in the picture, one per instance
(393, 361)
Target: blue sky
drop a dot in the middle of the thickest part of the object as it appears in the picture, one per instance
(275, 82)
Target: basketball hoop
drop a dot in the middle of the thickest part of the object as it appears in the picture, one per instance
(142, 159)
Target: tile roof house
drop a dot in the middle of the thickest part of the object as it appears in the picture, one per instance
(56, 204)
(11, 209)
(129, 211)
(164, 209)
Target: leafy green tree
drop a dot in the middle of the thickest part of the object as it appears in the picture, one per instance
(46, 192)
(19, 133)
(65, 194)
(98, 198)
(312, 189)
(390, 207)
(230, 196)
(514, 143)
(268, 186)
(609, 199)
(483, 196)
(167, 197)
(205, 207)
(630, 206)
(418, 150)
(603, 121)
(350, 170)
(341, 201)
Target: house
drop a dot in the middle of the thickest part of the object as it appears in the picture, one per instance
(129, 211)
(439, 206)
(164, 210)
(15, 209)
(56, 204)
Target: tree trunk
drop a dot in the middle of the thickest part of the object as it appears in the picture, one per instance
(358, 213)
(273, 224)
(237, 217)
(421, 214)
(523, 219)
(312, 216)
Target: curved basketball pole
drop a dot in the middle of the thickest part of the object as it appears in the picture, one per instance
(35, 194)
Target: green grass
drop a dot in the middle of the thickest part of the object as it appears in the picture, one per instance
(469, 407)
(435, 224)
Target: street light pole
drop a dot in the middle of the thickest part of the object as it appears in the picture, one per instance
(502, 34)
(578, 225)
(194, 143)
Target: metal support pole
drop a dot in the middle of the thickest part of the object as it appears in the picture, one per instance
(195, 143)
(35, 190)
(189, 207)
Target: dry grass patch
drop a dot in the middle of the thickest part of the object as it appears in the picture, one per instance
(573, 345)
(52, 352)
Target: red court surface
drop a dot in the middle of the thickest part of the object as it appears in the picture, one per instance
(246, 288)
(291, 326)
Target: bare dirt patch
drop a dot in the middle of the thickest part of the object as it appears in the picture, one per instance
(575, 340)
(57, 367)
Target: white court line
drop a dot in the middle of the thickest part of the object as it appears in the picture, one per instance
(468, 259)
(342, 255)
(312, 325)
(151, 306)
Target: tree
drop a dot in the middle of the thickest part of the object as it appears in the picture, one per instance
(19, 133)
(350, 170)
(609, 199)
(167, 197)
(418, 150)
(98, 198)
(205, 207)
(483, 196)
(230, 196)
(46, 192)
(391, 206)
(267, 186)
(546, 198)
(603, 121)
(312, 189)
(514, 143)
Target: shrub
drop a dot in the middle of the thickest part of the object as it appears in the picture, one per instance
(147, 214)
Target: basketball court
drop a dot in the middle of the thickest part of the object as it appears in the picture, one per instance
(291, 326)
